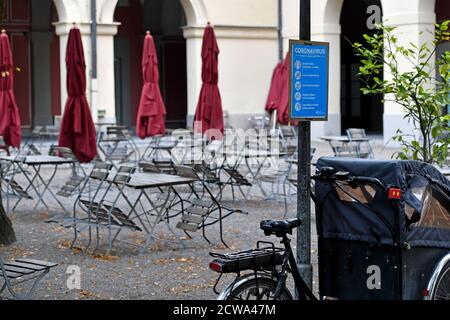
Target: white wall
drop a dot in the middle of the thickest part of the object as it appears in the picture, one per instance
(247, 38)
(69, 11)
(410, 17)
(291, 17)
(325, 26)
(258, 13)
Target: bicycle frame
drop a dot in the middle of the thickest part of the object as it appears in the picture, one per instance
(303, 292)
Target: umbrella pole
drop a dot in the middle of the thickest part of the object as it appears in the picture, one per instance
(274, 121)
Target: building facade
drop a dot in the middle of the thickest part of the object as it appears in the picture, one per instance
(247, 34)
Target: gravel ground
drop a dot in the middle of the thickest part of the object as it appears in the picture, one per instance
(167, 270)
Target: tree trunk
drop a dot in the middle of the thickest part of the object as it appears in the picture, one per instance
(7, 234)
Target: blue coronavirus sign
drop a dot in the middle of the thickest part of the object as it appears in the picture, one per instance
(308, 74)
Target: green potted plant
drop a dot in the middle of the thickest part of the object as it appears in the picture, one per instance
(423, 90)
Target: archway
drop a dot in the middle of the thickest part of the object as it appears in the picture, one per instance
(357, 110)
(35, 49)
(164, 18)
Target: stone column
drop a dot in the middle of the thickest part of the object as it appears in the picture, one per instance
(193, 37)
(106, 101)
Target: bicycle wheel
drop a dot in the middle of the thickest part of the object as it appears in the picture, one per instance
(442, 291)
(258, 289)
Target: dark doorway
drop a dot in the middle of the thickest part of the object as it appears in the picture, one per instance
(164, 19)
(35, 50)
(357, 110)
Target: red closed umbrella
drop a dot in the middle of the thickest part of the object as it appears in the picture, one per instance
(9, 113)
(209, 108)
(151, 112)
(77, 130)
(275, 89)
(283, 99)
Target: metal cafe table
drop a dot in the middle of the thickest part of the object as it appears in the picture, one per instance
(144, 181)
(36, 182)
(343, 146)
(259, 156)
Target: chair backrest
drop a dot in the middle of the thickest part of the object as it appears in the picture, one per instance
(37, 130)
(259, 122)
(101, 170)
(356, 133)
(181, 134)
(123, 175)
(50, 131)
(187, 172)
(149, 167)
(118, 132)
(62, 152)
(34, 149)
(287, 132)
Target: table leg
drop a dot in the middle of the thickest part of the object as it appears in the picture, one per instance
(46, 185)
(30, 186)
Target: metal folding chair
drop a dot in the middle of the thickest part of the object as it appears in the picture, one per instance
(363, 147)
(117, 146)
(199, 214)
(259, 122)
(73, 185)
(3, 145)
(98, 178)
(288, 141)
(13, 189)
(277, 177)
(15, 273)
(101, 210)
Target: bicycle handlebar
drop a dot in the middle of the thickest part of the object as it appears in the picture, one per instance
(327, 174)
(367, 180)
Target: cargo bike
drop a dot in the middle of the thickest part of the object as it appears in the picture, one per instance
(383, 232)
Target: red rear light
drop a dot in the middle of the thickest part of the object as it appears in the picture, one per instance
(394, 193)
(425, 292)
(215, 266)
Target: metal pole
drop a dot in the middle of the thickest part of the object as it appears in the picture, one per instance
(280, 30)
(94, 37)
(304, 170)
(94, 88)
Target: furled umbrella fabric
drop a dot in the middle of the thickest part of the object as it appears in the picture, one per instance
(151, 112)
(77, 130)
(283, 99)
(283, 102)
(209, 113)
(9, 113)
(275, 89)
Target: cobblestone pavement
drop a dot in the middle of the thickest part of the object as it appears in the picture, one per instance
(167, 270)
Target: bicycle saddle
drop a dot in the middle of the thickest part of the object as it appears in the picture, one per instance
(279, 227)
